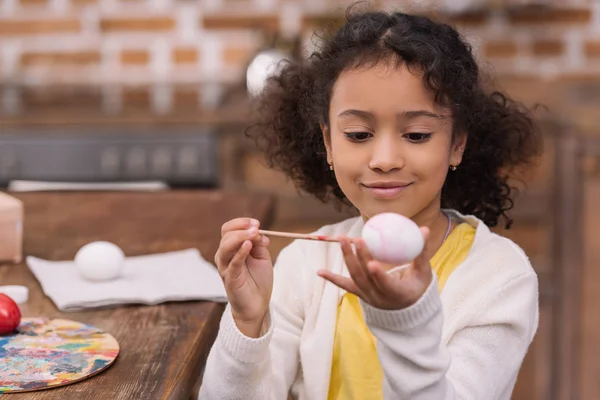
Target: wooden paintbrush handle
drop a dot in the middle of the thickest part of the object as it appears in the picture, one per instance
(300, 236)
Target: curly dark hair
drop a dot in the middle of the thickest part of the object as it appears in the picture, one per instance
(502, 134)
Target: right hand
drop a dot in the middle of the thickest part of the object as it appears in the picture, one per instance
(245, 266)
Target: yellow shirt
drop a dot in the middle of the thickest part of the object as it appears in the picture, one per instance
(356, 372)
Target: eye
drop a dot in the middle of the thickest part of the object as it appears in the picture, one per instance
(418, 137)
(358, 136)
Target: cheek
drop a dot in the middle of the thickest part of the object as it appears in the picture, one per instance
(431, 164)
(346, 156)
(348, 165)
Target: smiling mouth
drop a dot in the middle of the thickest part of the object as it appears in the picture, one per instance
(386, 190)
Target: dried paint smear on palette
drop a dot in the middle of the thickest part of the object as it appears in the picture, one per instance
(48, 353)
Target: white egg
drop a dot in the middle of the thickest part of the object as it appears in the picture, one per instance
(20, 294)
(393, 238)
(99, 261)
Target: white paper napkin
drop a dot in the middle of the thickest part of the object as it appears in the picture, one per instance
(150, 279)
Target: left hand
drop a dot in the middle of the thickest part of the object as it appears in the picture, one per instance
(371, 281)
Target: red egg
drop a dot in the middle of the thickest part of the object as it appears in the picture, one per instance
(10, 315)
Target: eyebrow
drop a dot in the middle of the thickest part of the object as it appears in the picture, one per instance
(357, 113)
(404, 114)
(419, 113)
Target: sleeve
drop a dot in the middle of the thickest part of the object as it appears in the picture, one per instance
(239, 367)
(480, 361)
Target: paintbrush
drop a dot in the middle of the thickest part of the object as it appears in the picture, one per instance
(322, 238)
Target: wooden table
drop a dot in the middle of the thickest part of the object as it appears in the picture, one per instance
(163, 348)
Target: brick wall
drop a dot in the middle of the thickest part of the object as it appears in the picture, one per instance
(165, 56)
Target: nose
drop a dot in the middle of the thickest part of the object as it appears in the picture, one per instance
(386, 154)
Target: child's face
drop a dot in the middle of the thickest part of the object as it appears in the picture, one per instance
(390, 144)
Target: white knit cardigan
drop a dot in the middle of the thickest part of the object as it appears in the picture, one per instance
(467, 342)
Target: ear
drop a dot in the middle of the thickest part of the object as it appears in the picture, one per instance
(458, 148)
(327, 142)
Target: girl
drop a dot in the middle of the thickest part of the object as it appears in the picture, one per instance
(388, 116)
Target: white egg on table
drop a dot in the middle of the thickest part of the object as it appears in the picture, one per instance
(99, 261)
(393, 238)
(20, 294)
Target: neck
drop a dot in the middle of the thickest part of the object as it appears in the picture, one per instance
(437, 222)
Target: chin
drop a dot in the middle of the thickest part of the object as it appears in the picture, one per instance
(374, 209)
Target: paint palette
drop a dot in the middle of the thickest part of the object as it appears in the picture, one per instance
(48, 353)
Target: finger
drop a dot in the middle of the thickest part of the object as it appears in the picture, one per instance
(398, 271)
(364, 258)
(265, 241)
(231, 243)
(341, 281)
(259, 248)
(361, 276)
(357, 271)
(238, 224)
(238, 262)
(386, 281)
(421, 262)
(260, 240)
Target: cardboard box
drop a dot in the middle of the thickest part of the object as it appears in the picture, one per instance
(11, 229)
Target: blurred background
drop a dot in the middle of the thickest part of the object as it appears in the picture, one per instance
(154, 93)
